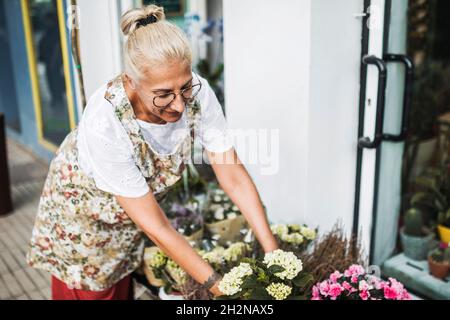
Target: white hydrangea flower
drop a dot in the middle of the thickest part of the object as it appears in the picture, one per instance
(279, 291)
(156, 259)
(235, 251)
(308, 233)
(231, 215)
(214, 256)
(217, 198)
(279, 229)
(295, 227)
(219, 214)
(291, 264)
(176, 272)
(294, 238)
(232, 281)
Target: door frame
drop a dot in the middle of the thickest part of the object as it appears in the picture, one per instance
(34, 78)
(367, 234)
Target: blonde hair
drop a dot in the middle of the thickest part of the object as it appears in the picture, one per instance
(152, 44)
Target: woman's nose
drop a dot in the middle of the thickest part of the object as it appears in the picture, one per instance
(178, 104)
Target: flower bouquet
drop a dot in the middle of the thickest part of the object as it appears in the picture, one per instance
(161, 271)
(222, 259)
(187, 220)
(293, 237)
(278, 276)
(356, 284)
(223, 219)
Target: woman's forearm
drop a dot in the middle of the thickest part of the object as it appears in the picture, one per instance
(179, 250)
(245, 195)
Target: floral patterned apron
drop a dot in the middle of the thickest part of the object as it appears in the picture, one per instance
(81, 234)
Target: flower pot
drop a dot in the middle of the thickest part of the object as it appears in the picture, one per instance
(151, 278)
(196, 236)
(174, 295)
(415, 248)
(444, 233)
(438, 269)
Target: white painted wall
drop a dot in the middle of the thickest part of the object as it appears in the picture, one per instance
(267, 72)
(295, 67)
(333, 111)
(100, 39)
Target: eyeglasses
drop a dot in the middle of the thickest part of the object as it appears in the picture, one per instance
(163, 101)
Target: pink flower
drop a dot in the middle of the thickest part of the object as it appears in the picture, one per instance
(405, 295)
(400, 291)
(324, 288)
(335, 290)
(390, 293)
(315, 294)
(354, 279)
(347, 286)
(356, 270)
(364, 294)
(363, 286)
(375, 282)
(335, 276)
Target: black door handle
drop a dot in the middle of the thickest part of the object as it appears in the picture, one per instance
(365, 142)
(407, 95)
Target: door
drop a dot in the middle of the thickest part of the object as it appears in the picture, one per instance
(390, 72)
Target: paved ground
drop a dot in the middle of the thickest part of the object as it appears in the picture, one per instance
(17, 280)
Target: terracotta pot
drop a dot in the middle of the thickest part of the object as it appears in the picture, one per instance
(438, 269)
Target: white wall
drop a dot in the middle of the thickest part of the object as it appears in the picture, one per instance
(100, 38)
(295, 67)
(267, 57)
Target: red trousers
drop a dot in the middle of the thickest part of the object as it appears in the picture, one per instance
(122, 290)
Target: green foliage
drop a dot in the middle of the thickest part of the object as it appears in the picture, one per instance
(432, 195)
(414, 222)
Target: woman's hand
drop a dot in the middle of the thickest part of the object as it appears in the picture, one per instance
(149, 217)
(238, 185)
(215, 290)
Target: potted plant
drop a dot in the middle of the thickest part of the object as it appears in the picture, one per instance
(355, 284)
(187, 220)
(293, 237)
(439, 261)
(433, 198)
(164, 273)
(223, 219)
(277, 276)
(414, 236)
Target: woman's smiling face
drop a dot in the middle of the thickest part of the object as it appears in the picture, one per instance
(156, 85)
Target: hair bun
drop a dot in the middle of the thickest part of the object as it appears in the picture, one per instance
(139, 17)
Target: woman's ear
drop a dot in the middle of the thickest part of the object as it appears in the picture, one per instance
(130, 82)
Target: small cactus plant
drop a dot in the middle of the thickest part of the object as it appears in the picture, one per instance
(414, 225)
(447, 255)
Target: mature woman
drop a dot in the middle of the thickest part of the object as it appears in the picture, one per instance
(102, 190)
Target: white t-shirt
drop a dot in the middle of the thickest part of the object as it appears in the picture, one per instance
(105, 150)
